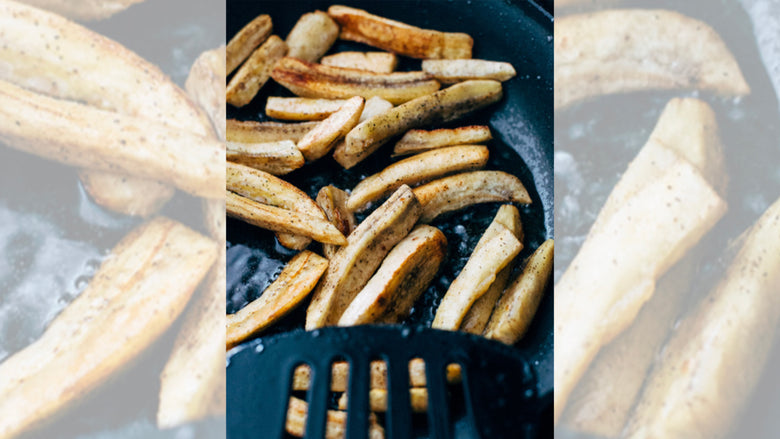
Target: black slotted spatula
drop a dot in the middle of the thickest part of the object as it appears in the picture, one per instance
(499, 388)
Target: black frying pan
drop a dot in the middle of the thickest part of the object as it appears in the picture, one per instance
(518, 32)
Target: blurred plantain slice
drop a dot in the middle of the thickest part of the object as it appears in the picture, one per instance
(133, 298)
(89, 68)
(620, 51)
(702, 373)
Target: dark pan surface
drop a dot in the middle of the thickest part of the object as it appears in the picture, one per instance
(595, 141)
(53, 237)
(517, 32)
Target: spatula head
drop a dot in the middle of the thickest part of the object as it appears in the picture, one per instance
(499, 394)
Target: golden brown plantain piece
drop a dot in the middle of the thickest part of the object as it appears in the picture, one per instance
(333, 201)
(264, 188)
(322, 138)
(249, 38)
(516, 308)
(393, 36)
(377, 373)
(417, 169)
(405, 273)
(266, 132)
(354, 264)
(450, 71)
(253, 75)
(442, 106)
(415, 141)
(335, 423)
(301, 108)
(475, 278)
(319, 81)
(282, 220)
(377, 398)
(377, 62)
(312, 36)
(295, 282)
(458, 191)
(277, 158)
(478, 315)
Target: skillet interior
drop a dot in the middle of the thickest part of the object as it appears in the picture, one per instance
(520, 33)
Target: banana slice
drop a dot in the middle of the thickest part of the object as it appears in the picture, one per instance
(442, 106)
(312, 36)
(249, 38)
(295, 282)
(319, 81)
(282, 220)
(377, 62)
(619, 51)
(266, 132)
(416, 169)
(415, 141)
(353, 265)
(477, 317)
(403, 39)
(277, 158)
(404, 274)
(462, 190)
